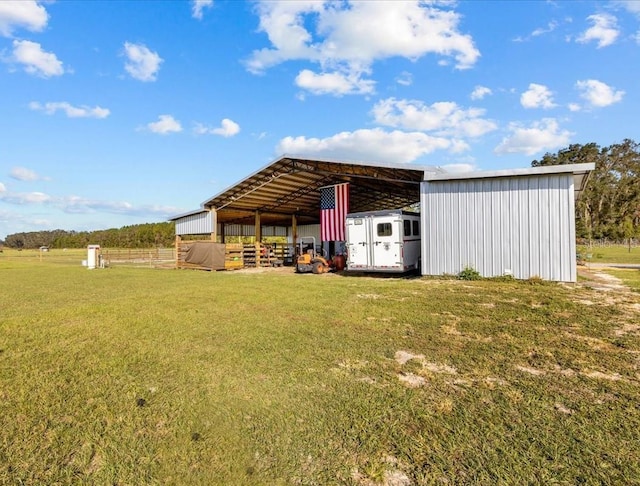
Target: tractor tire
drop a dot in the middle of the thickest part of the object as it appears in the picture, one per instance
(319, 267)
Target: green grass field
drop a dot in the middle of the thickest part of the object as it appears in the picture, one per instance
(631, 277)
(610, 254)
(145, 376)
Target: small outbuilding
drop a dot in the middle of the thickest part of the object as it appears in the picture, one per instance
(513, 222)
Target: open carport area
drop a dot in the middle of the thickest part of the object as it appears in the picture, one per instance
(282, 199)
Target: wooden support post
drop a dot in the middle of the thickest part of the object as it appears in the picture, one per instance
(178, 240)
(258, 233)
(214, 224)
(294, 228)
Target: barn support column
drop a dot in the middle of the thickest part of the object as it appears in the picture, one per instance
(258, 233)
(214, 224)
(294, 228)
(222, 233)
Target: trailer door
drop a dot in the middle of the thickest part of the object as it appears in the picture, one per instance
(358, 242)
(387, 242)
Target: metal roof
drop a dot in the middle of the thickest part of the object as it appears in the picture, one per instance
(580, 174)
(290, 185)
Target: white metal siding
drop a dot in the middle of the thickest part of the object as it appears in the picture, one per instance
(308, 230)
(523, 225)
(239, 230)
(201, 224)
(195, 224)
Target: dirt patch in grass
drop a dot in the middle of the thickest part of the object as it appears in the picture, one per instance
(627, 329)
(402, 357)
(529, 370)
(412, 380)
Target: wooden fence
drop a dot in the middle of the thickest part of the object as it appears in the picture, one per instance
(238, 255)
(151, 257)
(605, 242)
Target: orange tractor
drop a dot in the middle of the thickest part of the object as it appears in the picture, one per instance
(308, 259)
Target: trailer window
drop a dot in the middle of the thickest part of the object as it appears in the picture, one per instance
(384, 229)
(407, 227)
(416, 228)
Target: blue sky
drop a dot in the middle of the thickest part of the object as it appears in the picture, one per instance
(118, 113)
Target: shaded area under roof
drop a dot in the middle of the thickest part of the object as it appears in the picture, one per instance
(291, 185)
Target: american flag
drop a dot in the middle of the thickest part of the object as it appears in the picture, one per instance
(334, 205)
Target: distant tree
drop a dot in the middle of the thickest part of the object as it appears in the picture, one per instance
(149, 235)
(612, 193)
(628, 231)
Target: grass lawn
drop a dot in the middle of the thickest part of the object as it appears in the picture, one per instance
(611, 254)
(143, 376)
(631, 277)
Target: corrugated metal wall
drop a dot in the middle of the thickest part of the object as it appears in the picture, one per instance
(520, 225)
(195, 224)
(309, 230)
(250, 230)
(201, 224)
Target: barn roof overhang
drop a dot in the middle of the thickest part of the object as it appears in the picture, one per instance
(291, 185)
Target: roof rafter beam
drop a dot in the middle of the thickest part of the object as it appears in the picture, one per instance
(303, 191)
(360, 175)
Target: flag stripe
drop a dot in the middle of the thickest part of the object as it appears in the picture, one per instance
(334, 205)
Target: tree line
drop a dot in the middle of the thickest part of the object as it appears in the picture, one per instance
(609, 207)
(148, 235)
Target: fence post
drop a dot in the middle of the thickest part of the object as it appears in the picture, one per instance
(178, 240)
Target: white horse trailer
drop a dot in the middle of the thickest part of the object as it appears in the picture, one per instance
(383, 241)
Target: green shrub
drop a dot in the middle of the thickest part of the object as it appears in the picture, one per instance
(469, 273)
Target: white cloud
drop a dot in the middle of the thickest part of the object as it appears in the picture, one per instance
(604, 30)
(166, 124)
(334, 83)
(35, 60)
(71, 111)
(198, 7)
(82, 205)
(459, 168)
(369, 144)
(22, 13)
(22, 198)
(405, 78)
(542, 135)
(142, 64)
(632, 6)
(79, 205)
(574, 107)
(444, 118)
(3, 188)
(350, 36)
(228, 128)
(537, 96)
(551, 26)
(479, 92)
(24, 174)
(598, 94)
